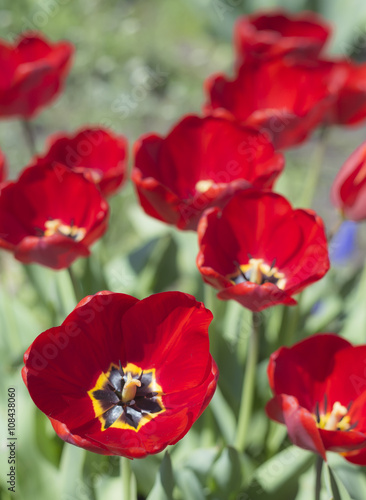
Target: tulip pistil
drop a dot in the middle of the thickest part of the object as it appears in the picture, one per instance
(126, 398)
(335, 420)
(204, 185)
(130, 388)
(259, 272)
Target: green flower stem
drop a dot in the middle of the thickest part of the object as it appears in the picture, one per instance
(289, 323)
(29, 136)
(247, 395)
(127, 476)
(78, 291)
(315, 167)
(318, 480)
(334, 230)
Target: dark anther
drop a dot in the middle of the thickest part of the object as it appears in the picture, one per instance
(38, 231)
(317, 414)
(72, 223)
(273, 263)
(121, 369)
(325, 403)
(236, 264)
(250, 256)
(349, 406)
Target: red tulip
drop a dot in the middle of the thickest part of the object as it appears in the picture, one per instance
(273, 33)
(51, 216)
(284, 98)
(97, 153)
(3, 167)
(259, 251)
(319, 394)
(200, 163)
(349, 108)
(349, 187)
(33, 74)
(123, 376)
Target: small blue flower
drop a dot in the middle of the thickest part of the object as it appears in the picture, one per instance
(344, 243)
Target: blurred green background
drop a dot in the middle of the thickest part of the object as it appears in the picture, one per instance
(139, 66)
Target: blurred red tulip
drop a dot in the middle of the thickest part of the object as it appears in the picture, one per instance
(272, 33)
(349, 108)
(33, 74)
(199, 164)
(349, 187)
(51, 216)
(98, 154)
(259, 251)
(3, 167)
(284, 98)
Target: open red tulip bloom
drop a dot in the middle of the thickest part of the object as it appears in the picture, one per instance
(200, 164)
(320, 395)
(33, 71)
(259, 251)
(97, 153)
(349, 187)
(51, 216)
(273, 33)
(282, 97)
(123, 376)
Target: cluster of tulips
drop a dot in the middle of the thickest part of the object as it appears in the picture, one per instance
(128, 377)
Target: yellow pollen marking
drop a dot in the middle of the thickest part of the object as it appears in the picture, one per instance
(130, 387)
(55, 226)
(335, 420)
(204, 185)
(259, 272)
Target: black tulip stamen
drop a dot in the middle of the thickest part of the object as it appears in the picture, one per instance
(317, 413)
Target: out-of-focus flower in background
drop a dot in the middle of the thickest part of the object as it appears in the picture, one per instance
(277, 32)
(349, 108)
(348, 191)
(51, 216)
(199, 164)
(3, 167)
(98, 154)
(33, 71)
(283, 97)
(126, 376)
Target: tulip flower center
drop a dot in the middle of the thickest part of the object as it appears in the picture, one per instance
(56, 226)
(259, 272)
(126, 398)
(130, 388)
(204, 185)
(335, 420)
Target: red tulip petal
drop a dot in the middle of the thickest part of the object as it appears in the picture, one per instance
(311, 363)
(168, 331)
(300, 423)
